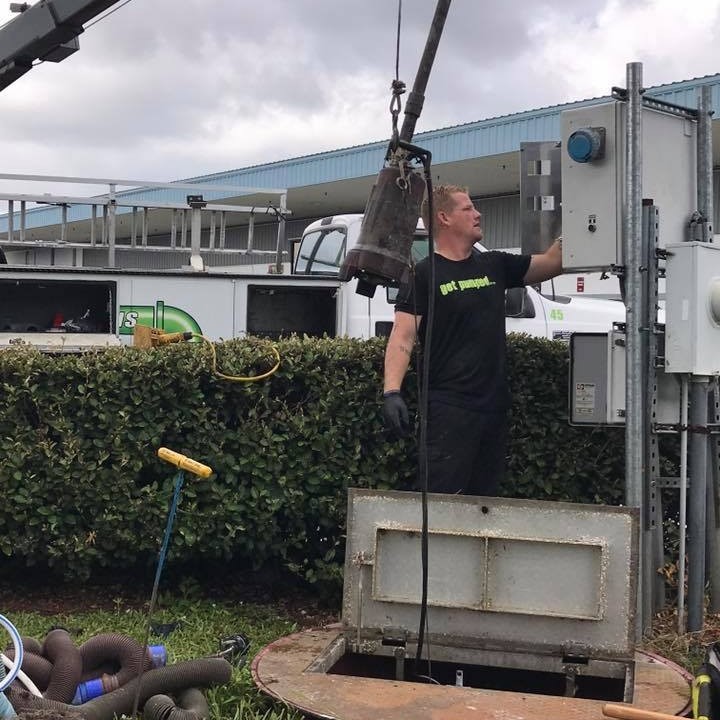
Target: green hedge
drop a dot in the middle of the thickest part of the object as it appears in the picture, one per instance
(82, 488)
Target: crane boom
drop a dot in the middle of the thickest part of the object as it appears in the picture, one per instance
(47, 30)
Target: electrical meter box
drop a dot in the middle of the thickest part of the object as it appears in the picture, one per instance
(522, 585)
(593, 180)
(597, 382)
(692, 308)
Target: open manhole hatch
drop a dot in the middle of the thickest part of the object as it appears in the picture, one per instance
(530, 599)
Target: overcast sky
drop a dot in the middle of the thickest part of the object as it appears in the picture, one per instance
(168, 89)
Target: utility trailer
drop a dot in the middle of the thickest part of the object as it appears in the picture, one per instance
(62, 307)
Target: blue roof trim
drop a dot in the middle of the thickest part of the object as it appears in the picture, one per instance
(482, 138)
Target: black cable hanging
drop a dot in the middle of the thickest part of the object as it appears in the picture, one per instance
(423, 382)
(409, 153)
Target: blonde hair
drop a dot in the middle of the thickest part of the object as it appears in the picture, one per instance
(443, 201)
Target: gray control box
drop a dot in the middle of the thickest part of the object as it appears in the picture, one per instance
(597, 382)
(693, 308)
(593, 187)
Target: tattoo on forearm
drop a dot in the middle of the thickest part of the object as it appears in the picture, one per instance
(407, 350)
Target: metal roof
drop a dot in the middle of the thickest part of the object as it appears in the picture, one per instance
(479, 139)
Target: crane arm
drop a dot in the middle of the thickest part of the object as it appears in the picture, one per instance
(47, 30)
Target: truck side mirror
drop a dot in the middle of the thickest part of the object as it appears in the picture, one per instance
(518, 303)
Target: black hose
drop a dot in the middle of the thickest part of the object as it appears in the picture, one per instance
(191, 705)
(171, 679)
(113, 657)
(31, 645)
(124, 651)
(38, 669)
(64, 656)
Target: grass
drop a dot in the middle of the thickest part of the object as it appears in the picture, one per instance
(686, 649)
(202, 624)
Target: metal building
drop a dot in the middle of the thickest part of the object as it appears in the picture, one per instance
(482, 155)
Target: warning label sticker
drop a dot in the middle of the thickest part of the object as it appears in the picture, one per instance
(584, 398)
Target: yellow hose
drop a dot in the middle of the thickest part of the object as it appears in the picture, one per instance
(239, 378)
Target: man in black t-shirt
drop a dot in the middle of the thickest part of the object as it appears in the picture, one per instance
(468, 395)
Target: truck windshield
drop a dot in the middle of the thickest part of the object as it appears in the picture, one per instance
(321, 252)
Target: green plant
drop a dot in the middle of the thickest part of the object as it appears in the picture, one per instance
(84, 493)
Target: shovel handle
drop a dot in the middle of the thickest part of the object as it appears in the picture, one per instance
(182, 462)
(628, 712)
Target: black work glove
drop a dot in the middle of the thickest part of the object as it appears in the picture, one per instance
(395, 413)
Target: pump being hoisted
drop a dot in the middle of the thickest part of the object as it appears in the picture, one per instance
(383, 251)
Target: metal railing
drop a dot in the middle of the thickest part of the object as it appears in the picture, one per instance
(96, 223)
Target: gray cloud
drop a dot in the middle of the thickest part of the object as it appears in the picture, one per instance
(173, 88)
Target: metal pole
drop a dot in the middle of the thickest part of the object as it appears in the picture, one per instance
(104, 225)
(145, 225)
(697, 514)
(713, 516)
(705, 203)
(251, 233)
(63, 222)
(281, 235)
(416, 98)
(683, 500)
(133, 227)
(705, 162)
(10, 218)
(111, 227)
(652, 497)
(634, 390)
(173, 228)
(195, 230)
(179, 480)
(696, 504)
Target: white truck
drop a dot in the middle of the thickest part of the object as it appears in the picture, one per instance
(549, 315)
(70, 309)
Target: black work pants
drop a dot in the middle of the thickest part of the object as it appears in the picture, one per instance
(466, 449)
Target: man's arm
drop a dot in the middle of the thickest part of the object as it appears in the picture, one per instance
(399, 349)
(545, 266)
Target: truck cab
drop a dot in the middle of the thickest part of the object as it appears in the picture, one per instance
(322, 250)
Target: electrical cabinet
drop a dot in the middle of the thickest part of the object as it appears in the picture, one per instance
(593, 180)
(597, 382)
(692, 313)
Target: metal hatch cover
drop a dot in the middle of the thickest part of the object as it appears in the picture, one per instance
(504, 574)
